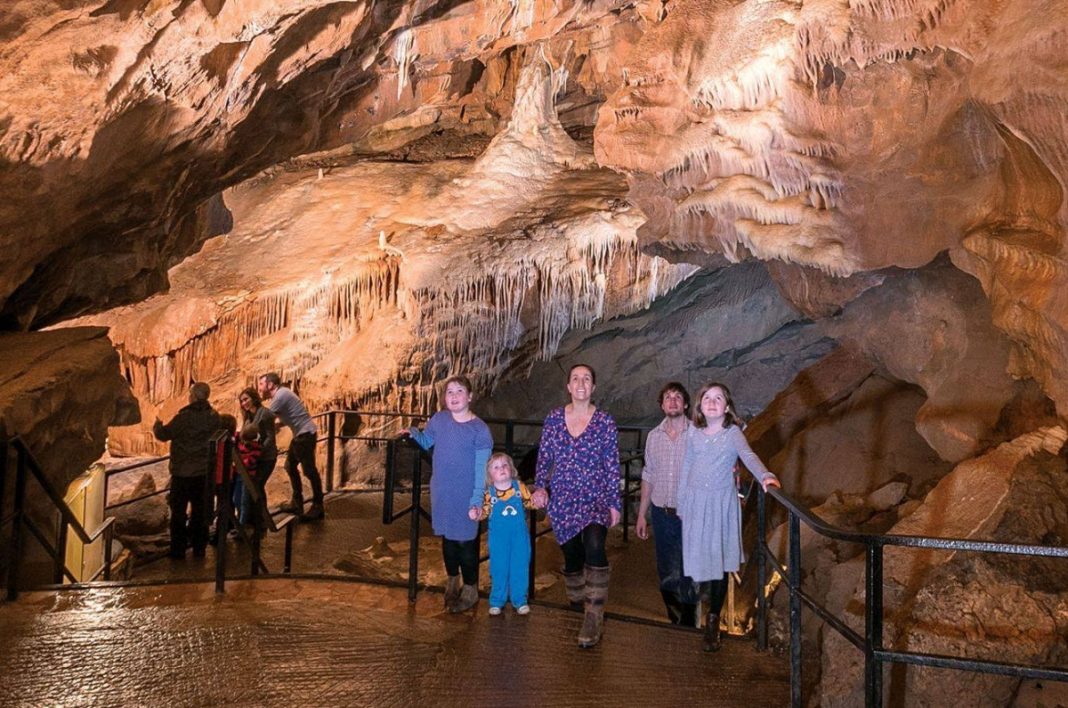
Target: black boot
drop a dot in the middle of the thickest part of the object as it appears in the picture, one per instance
(316, 512)
(687, 615)
(674, 609)
(711, 641)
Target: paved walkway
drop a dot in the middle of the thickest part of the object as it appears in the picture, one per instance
(288, 642)
(340, 544)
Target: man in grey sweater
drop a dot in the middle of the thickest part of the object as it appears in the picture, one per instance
(291, 411)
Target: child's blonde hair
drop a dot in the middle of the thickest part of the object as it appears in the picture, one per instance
(500, 456)
(250, 432)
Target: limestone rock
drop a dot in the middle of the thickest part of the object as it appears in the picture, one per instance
(729, 325)
(142, 518)
(970, 604)
(859, 445)
(932, 327)
(808, 397)
(60, 390)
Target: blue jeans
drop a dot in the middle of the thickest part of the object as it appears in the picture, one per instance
(667, 535)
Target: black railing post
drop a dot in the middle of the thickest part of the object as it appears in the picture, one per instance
(59, 562)
(222, 517)
(795, 610)
(873, 625)
(389, 482)
(413, 538)
(14, 549)
(509, 438)
(533, 520)
(3, 465)
(331, 437)
(287, 564)
(626, 500)
(108, 534)
(762, 571)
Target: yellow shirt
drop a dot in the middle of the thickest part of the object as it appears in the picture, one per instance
(505, 495)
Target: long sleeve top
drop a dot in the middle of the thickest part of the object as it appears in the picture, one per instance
(582, 474)
(709, 462)
(461, 451)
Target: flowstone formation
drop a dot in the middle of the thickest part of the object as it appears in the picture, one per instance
(121, 121)
(367, 283)
(851, 137)
(852, 213)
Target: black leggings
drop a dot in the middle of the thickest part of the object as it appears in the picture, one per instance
(587, 548)
(461, 557)
(717, 593)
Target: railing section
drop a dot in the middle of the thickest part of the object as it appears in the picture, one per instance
(876, 655)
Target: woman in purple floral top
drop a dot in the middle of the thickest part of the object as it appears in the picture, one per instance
(578, 462)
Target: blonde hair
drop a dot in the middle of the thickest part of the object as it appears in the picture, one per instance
(500, 456)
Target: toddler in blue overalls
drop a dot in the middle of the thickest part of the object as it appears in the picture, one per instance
(509, 539)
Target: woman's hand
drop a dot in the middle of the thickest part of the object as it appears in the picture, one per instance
(642, 528)
(613, 515)
(474, 513)
(540, 498)
(770, 482)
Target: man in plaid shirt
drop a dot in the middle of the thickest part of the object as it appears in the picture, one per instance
(664, 450)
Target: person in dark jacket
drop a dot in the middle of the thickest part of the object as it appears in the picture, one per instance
(189, 433)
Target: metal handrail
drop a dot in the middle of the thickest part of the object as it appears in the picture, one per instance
(332, 436)
(416, 510)
(871, 643)
(26, 466)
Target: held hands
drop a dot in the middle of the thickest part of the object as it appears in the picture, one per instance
(540, 498)
(474, 513)
(642, 528)
(770, 482)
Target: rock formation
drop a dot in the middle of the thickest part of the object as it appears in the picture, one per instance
(853, 213)
(61, 391)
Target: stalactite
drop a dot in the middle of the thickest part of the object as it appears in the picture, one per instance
(330, 311)
(404, 52)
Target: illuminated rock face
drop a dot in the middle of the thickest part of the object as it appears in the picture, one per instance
(851, 137)
(121, 120)
(456, 187)
(368, 284)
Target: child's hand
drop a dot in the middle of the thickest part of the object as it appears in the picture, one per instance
(540, 498)
(474, 513)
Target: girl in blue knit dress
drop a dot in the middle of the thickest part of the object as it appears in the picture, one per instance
(506, 500)
(462, 444)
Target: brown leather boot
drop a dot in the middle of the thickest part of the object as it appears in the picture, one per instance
(711, 641)
(596, 595)
(468, 598)
(452, 591)
(575, 588)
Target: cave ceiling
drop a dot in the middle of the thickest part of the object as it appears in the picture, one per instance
(371, 195)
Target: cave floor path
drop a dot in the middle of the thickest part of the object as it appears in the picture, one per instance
(305, 642)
